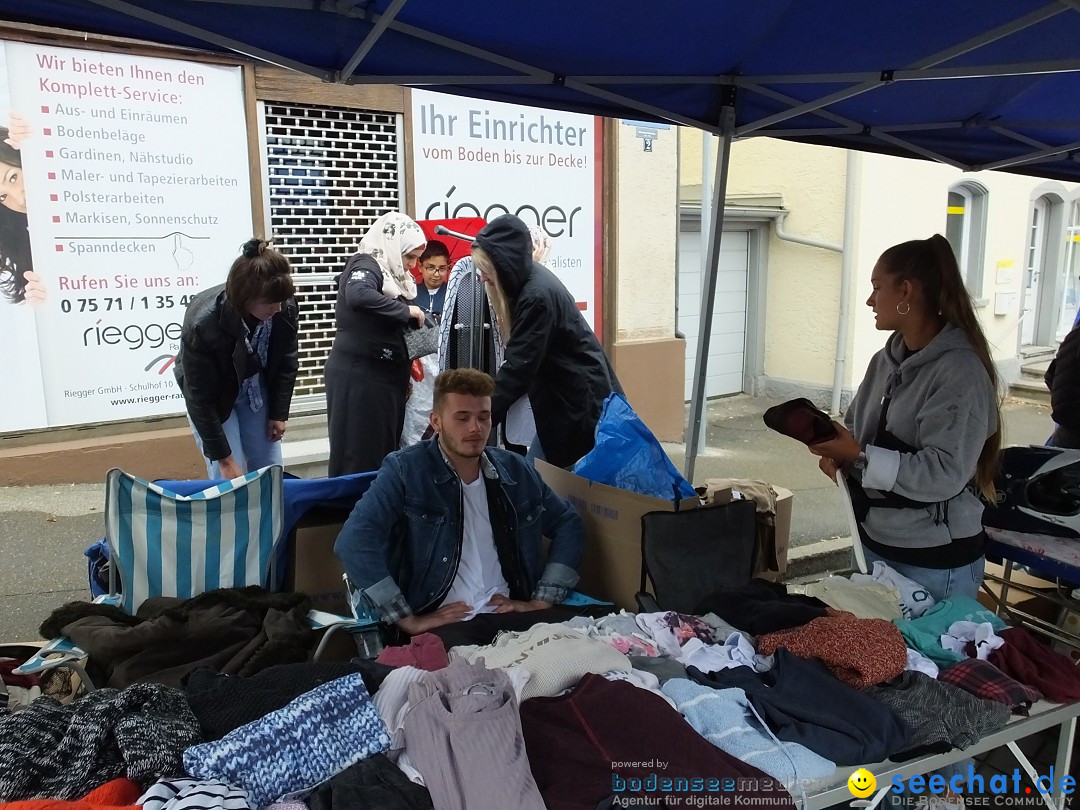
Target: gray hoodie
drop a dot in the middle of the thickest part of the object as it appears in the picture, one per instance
(943, 404)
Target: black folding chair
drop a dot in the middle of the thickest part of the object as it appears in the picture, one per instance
(690, 554)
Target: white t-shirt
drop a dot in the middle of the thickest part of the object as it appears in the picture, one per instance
(479, 574)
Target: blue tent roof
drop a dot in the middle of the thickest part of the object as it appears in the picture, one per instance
(992, 85)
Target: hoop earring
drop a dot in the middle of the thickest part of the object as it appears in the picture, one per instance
(905, 310)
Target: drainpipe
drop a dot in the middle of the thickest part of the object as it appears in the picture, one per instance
(845, 251)
(803, 240)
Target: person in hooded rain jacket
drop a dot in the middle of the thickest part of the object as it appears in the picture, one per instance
(552, 355)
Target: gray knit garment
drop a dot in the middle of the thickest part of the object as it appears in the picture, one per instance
(463, 733)
(939, 712)
(49, 750)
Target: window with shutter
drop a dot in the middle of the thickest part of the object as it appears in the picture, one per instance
(330, 171)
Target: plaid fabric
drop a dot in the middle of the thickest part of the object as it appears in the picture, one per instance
(396, 610)
(552, 594)
(983, 679)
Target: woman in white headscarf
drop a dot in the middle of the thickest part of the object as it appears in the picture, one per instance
(367, 373)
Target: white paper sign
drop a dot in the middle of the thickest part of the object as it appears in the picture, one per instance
(475, 158)
(137, 197)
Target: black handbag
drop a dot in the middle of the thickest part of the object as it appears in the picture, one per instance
(421, 341)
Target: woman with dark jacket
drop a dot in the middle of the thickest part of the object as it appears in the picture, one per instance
(1063, 380)
(238, 361)
(552, 355)
(367, 373)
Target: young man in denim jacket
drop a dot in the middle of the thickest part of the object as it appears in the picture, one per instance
(451, 527)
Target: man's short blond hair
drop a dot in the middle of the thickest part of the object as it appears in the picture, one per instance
(467, 381)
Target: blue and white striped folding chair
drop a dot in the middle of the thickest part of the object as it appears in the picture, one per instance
(164, 544)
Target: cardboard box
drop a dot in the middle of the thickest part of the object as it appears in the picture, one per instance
(611, 566)
(312, 566)
(1037, 606)
(774, 532)
(717, 491)
(781, 540)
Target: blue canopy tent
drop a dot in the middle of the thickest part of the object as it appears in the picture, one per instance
(989, 86)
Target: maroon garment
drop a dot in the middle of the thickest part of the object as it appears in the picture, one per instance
(1031, 662)
(581, 745)
(425, 651)
(983, 679)
(9, 678)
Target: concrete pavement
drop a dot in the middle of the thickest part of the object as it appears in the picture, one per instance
(44, 529)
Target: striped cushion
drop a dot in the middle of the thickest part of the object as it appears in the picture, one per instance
(165, 544)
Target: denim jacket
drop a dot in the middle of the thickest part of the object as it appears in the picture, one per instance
(402, 543)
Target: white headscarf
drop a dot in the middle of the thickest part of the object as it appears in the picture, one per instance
(389, 238)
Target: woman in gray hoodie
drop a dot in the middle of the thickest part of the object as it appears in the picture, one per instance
(923, 432)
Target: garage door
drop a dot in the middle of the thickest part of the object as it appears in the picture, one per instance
(727, 348)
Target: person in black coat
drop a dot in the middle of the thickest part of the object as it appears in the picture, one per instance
(552, 355)
(367, 372)
(1063, 380)
(238, 361)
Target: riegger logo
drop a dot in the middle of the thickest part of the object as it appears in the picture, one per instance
(133, 335)
(166, 361)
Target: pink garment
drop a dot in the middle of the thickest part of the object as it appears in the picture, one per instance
(425, 651)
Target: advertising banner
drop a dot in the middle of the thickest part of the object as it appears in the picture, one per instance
(475, 158)
(126, 191)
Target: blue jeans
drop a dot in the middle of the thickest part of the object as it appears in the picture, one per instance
(941, 583)
(246, 431)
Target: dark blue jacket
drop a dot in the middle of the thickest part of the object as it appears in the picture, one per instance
(402, 543)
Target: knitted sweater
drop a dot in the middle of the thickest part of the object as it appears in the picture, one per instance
(64, 752)
(313, 738)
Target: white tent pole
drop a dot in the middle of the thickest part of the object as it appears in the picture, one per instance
(706, 233)
(708, 286)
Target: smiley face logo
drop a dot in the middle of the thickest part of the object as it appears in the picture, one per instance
(861, 783)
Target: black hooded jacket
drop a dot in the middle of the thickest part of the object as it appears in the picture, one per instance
(1063, 380)
(552, 354)
(213, 362)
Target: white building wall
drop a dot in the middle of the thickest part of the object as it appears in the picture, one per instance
(906, 199)
(896, 199)
(647, 211)
(802, 284)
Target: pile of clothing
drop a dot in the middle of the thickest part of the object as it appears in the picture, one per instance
(760, 694)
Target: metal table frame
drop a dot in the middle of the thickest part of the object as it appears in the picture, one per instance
(1064, 576)
(1043, 715)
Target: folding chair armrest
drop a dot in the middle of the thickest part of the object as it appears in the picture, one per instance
(61, 651)
(331, 623)
(578, 599)
(320, 620)
(58, 652)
